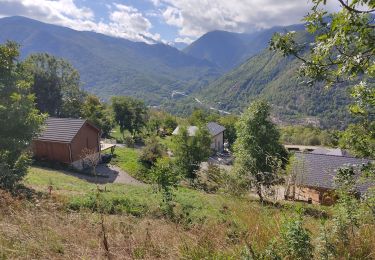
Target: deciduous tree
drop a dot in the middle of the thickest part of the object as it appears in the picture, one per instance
(343, 52)
(19, 119)
(56, 84)
(258, 153)
(190, 151)
(165, 176)
(130, 114)
(97, 113)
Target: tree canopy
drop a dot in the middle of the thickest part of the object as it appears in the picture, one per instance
(130, 114)
(343, 51)
(190, 151)
(97, 113)
(56, 84)
(19, 119)
(257, 150)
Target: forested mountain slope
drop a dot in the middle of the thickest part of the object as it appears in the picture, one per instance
(113, 66)
(275, 78)
(228, 50)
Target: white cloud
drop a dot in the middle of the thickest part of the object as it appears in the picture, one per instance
(186, 40)
(192, 18)
(196, 17)
(173, 16)
(128, 22)
(124, 21)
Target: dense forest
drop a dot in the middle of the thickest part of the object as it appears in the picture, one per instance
(273, 77)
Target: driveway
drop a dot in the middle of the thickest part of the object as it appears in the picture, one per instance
(109, 174)
(116, 175)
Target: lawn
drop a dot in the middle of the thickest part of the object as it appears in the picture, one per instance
(116, 133)
(128, 160)
(128, 199)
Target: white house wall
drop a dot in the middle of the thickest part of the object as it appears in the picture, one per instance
(218, 142)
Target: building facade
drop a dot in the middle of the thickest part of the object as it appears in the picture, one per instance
(66, 140)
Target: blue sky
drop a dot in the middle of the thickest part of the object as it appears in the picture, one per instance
(165, 21)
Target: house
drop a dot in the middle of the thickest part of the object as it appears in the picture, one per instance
(216, 132)
(312, 177)
(65, 140)
(316, 150)
(217, 136)
(331, 151)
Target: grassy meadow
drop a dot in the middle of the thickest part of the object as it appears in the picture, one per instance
(127, 159)
(66, 224)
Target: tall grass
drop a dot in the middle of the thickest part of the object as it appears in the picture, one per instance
(207, 226)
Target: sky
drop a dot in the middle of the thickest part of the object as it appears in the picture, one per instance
(166, 21)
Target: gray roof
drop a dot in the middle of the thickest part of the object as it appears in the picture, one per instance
(215, 128)
(329, 151)
(60, 129)
(318, 170)
(191, 130)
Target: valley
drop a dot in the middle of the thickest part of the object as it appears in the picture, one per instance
(223, 70)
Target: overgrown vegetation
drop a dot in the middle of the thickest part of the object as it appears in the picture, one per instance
(204, 225)
(309, 135)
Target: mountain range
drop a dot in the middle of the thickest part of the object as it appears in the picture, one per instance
(228, 50)
(271, 76)
(112, 66)
(220, 70)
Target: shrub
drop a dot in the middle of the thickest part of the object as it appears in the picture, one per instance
(107, 204)
(234, 185)
(12, 170)
(129, 141)
(152, 152)
(166, 179)
(210, 179)
(295, 239)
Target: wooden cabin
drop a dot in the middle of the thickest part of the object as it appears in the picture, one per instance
(64, 140)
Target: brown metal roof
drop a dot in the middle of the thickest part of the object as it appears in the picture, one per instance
(60, 129)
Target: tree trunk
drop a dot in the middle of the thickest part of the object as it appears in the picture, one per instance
(259, 192)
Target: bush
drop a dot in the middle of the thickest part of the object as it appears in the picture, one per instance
(166, 179)
(234, 185)
(107, 204)
(152, 152)
(12, 170)
(129, 141)
(210, 179)
(295, 239)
